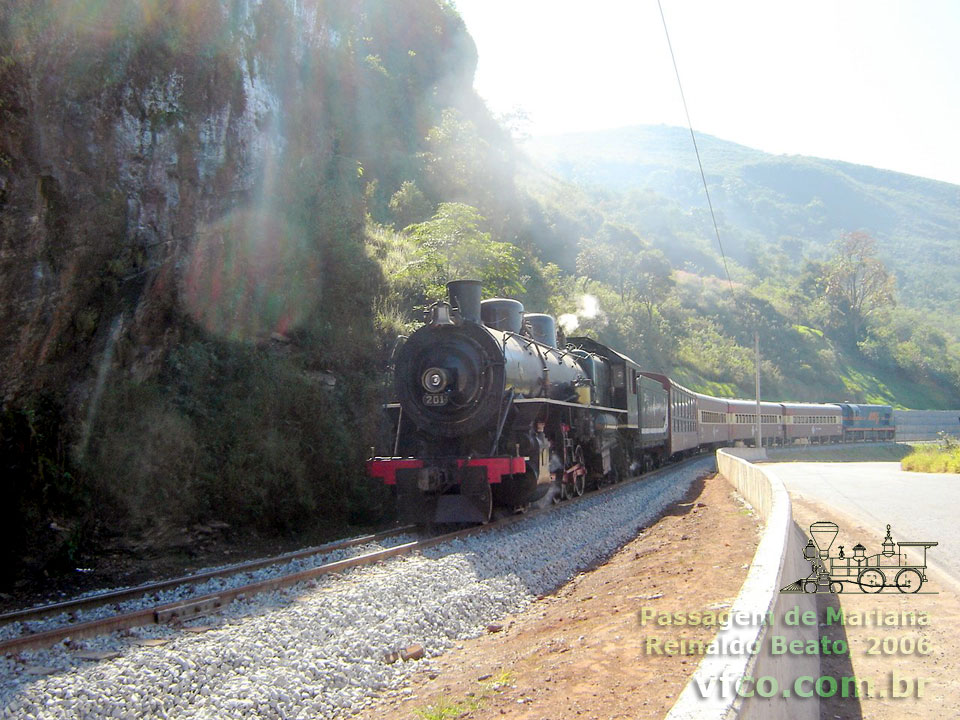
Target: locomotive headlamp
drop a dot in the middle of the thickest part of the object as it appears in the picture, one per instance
(435, 380)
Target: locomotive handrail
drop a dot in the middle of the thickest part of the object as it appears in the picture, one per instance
(396, 442)
(527, 340)
(545, 386)
(604, 408)
(397, 344)
(503, 418)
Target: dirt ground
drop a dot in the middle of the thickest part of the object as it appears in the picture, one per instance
(876, 651)
(581, 652)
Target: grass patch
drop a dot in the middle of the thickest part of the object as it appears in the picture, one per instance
(446, 709)
(944, 457)
(809, 332)
(502, 679)
(691, 379)
(865, 382)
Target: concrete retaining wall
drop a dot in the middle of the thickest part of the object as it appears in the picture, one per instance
(925, 424)
(777, 563)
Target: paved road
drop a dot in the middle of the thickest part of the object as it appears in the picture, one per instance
(918, 506)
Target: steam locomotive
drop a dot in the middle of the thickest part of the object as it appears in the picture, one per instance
(889, 568)
(492, 412)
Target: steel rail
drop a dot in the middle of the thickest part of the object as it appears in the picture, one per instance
(202, 605)
(111, 596)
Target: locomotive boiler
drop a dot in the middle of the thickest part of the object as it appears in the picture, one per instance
(490, 411)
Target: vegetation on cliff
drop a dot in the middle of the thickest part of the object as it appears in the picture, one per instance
(188, 300)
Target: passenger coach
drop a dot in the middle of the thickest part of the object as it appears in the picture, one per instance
(742, 418)
(812, 423)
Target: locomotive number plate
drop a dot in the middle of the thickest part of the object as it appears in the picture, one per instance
(434, 399)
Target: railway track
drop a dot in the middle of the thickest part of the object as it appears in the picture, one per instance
(89, 602)
(201, 605)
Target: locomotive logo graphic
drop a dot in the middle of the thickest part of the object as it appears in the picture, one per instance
(903, 568)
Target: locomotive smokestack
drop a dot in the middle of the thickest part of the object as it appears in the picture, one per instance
(823, 534)
(465, 296)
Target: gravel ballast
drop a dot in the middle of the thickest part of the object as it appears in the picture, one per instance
(207, 587)
(318, 650)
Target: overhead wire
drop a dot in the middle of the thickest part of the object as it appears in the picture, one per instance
(693, 136)
(706, 190)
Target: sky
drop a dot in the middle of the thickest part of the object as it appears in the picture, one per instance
(872, 82)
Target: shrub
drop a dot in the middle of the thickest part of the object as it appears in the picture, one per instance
(44, 508)
(234, 432)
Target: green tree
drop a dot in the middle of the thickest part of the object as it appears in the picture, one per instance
(653, 281)
(805, 296)
(452, 245)
(858, 285)
(611, 257)
(619, 257)
(469, 159)
(409, 205)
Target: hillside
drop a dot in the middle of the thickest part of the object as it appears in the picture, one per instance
(803, 202)
(616, 204)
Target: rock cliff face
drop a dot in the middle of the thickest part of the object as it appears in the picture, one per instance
(180, 182)
(138, 138)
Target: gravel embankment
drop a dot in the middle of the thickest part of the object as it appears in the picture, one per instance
(208, 587)
(317, 651)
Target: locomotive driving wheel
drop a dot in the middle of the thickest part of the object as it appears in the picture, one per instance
(909, 580)
(871, 580)
(579, 481)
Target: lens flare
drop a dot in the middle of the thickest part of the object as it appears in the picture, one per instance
(249, 275)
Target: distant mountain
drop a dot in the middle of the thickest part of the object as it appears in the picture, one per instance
(763, 199)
